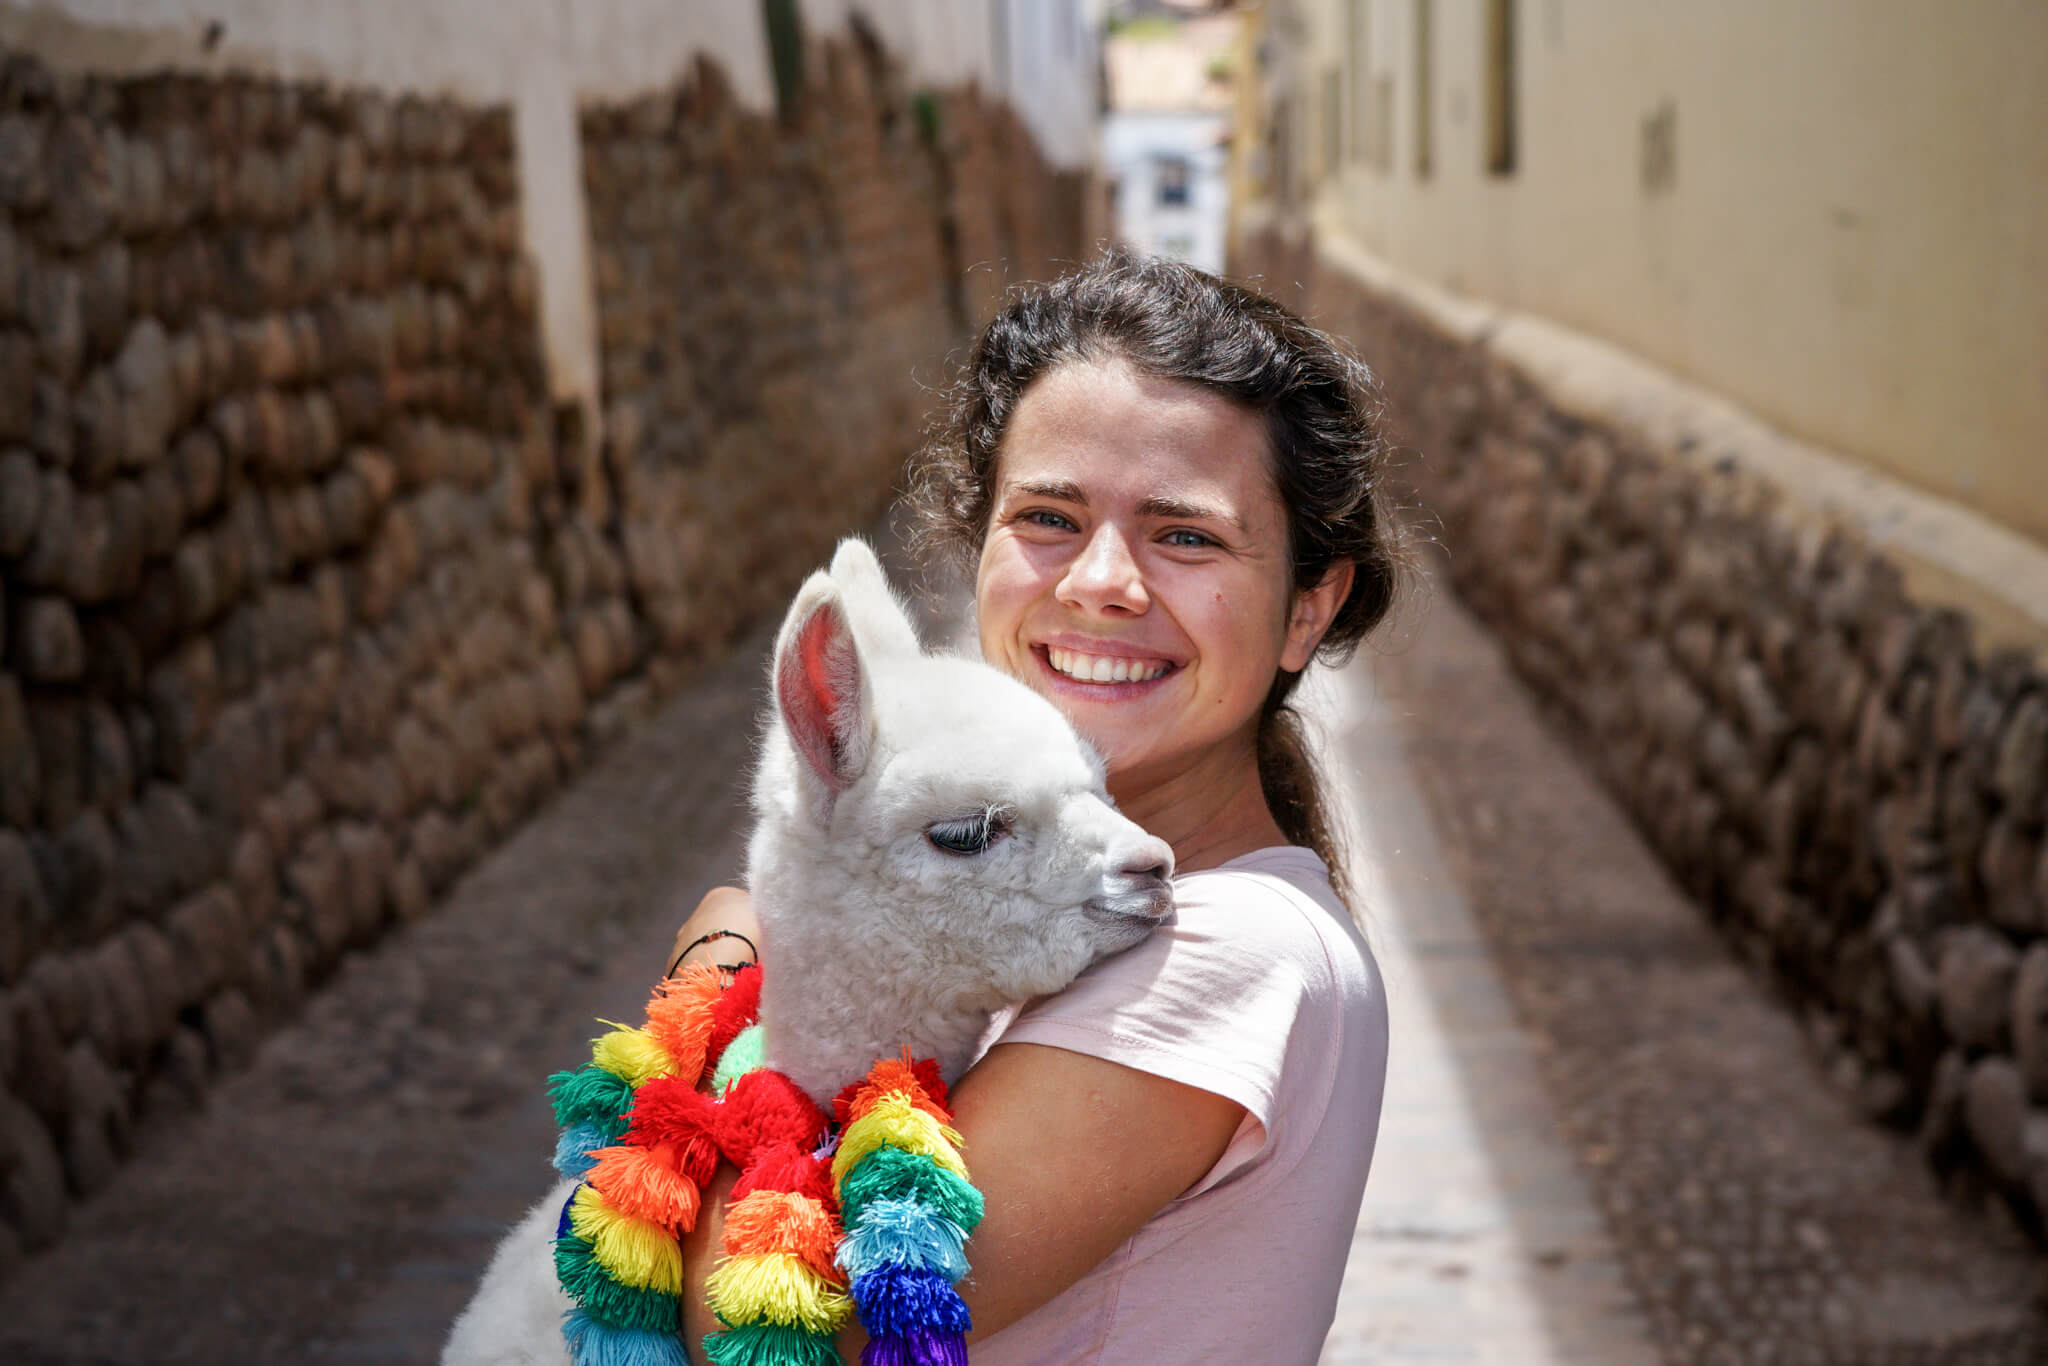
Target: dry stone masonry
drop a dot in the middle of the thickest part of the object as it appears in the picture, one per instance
(1852, 788)
(307, 595)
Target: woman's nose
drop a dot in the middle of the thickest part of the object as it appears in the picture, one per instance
(1105, 575)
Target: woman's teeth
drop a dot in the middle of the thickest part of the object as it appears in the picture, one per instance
(1104, 668)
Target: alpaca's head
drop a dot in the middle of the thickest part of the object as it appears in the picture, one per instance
(934, 811)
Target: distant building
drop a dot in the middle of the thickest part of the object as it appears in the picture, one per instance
(1165, 142)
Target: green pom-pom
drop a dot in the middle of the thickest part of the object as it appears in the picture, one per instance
(770, 1344)
(742, 1055)
(604, 1299)
(894, 1172)
(591, 1095)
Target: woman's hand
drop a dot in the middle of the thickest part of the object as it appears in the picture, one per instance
(723, 908)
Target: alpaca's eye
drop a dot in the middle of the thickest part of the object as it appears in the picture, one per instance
(974, 834)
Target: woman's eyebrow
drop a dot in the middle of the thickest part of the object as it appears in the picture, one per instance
(1060, 490)
(1179, 510)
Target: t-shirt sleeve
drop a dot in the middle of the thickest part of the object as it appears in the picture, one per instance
(1210, 1001)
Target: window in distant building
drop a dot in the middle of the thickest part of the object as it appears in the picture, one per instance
(1500, 87)
(1425, 60)
(1170, 182)
(1358, 66)
(1333, 119)
(1179, 246)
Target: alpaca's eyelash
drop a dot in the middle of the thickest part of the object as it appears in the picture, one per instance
(974, 834)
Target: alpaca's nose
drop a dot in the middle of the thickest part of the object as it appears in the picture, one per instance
(1152, 859)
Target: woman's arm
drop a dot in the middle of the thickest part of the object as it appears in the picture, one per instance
(1072, 1155)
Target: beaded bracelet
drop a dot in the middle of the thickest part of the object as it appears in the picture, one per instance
(708, 938)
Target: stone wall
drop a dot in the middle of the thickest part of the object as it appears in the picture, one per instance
(1854, 791)
(306, 596)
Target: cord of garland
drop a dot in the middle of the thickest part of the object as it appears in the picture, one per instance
(643, 1139)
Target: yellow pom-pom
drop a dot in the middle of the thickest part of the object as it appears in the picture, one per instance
(895, 1121)
(775, 1287)
(637, 1253)
(632, 1054)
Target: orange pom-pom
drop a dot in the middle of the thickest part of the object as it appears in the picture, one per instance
(785, 1221)
(647, 1183)
(762, 1108)
(670, 1110)
(679, 1017)
(787, 1167)
(919, 1080)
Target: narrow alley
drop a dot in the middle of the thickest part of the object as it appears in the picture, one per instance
(1604, 1143)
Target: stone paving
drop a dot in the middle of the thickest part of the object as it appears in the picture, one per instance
(1604, 1143)
(1478, 1241)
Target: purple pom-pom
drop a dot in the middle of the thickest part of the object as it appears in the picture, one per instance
(926, 1347)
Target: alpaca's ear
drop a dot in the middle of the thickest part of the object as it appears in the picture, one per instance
(820, 690)
(878, 617)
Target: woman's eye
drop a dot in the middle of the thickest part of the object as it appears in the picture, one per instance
(1047, 517)
(970, 835)
(1187, 540)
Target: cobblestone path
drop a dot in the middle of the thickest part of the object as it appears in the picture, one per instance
(1605, 1143)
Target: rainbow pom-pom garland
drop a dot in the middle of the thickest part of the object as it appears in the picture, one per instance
(867, 1209)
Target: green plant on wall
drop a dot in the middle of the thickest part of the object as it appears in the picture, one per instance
(785, 27)
(924, 107)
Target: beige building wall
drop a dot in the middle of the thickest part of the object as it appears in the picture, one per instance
(1834, 212)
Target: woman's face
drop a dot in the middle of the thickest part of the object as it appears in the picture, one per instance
(1136, 568)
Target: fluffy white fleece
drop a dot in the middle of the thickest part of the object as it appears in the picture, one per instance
(878, 936)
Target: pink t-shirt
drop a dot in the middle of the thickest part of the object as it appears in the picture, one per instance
(1262, 991)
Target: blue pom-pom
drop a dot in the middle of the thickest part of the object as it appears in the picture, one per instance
(573, 1149)
(562, 1223)
(595, 1344)
(903, 1231)
(899, 1301)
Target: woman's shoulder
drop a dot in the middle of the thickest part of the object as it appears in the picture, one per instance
(1278, 899)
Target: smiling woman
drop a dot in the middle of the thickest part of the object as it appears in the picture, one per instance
(1169, 489)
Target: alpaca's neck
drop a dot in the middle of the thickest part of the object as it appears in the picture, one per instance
(823, 1037)
(833, 1000)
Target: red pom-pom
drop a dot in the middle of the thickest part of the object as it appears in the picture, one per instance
(765, 1107)
(739, 1007)
(787, 1167)
(671, 1110)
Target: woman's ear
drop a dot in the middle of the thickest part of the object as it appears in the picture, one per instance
(1311, 613)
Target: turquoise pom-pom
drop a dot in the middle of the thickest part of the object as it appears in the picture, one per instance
(578, 1141)
(903, 1231)
(595, 1344)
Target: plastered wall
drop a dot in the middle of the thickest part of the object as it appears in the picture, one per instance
(1835, 213)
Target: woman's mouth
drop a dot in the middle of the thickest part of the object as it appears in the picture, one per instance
(1082, 667)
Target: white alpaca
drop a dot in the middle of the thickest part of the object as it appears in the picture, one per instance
(932, 842)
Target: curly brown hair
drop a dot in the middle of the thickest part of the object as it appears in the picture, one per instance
(1322, 414)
